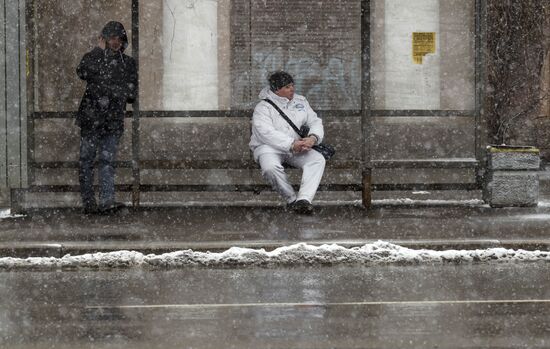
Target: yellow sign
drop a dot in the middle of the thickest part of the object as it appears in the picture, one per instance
(423, 43)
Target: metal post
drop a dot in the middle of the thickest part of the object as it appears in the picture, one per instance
(31, 34)
(481, 127)
(3, 114)
(135, 108)
(366, 121)
(23, 93)
(17, 199)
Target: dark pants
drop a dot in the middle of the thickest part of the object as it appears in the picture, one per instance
(106, 146)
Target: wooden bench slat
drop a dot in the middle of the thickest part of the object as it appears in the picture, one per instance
(251, 164)
(421, 163)
(193, 164)
(190, 188)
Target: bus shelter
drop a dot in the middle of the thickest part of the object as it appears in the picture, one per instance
(399, 86)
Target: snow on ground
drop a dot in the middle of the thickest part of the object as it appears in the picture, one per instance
(405, 201)
(428, 202)
(6, 213)
(299, 254)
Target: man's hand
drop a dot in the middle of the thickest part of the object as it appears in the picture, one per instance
(304, 144)
(309, 142)
(101, 43)
(299, 146)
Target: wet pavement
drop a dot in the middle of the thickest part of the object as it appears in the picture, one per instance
(56, 232)
(427, 306)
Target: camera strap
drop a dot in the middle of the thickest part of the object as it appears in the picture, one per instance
(296, 129)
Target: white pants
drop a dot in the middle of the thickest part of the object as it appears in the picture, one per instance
(312, 164)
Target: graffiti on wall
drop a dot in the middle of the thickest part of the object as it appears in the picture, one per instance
(330, 82)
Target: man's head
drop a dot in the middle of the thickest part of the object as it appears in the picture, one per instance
(115, 36)
(282, 84)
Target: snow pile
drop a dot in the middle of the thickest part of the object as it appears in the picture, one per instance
(300, 254)
(6, 213)
(428, 202)
(407, 201)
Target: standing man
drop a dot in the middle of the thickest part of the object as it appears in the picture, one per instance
(275, 142)
(111, 83)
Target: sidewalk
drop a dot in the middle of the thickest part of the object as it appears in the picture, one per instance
(57, 232)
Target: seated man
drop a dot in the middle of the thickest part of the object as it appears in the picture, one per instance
(275, 142)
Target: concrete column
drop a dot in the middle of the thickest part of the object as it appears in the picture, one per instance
(408, 85)
(190, 42)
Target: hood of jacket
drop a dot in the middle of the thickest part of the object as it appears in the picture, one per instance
(114, 28)
(264, 93)
(267, 93)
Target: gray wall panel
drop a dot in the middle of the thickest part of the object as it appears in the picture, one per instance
(59, 140)
(423, 138)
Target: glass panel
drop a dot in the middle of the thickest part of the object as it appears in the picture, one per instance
(423, 54)
(317, 41)
(62, 35)
(184, 55)
(215, 55)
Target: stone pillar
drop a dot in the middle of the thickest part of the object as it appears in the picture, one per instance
(512, 178)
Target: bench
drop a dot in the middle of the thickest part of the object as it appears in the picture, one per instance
(57, 149)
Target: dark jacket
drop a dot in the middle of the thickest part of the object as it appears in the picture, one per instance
(111, 79)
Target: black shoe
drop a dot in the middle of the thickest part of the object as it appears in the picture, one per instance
(290, 206)
(110, 209)
(90, 209)
(303, 207)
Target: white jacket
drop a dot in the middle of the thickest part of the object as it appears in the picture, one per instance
(271, 133)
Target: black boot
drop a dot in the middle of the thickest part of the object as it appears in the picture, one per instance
(303, 207)
(111, 208)
(89, 208)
